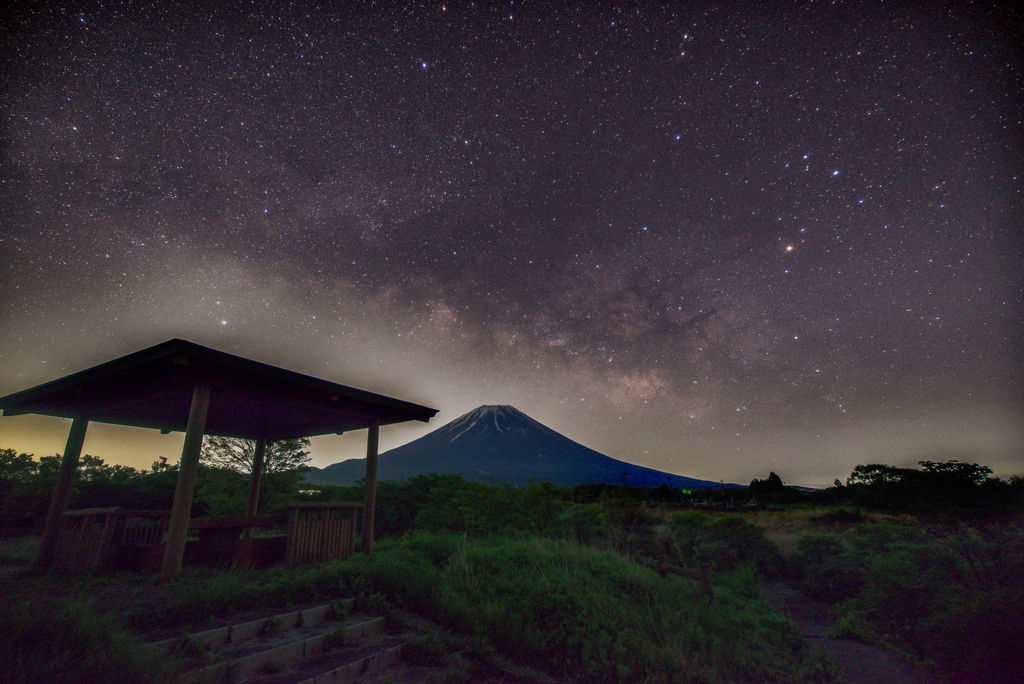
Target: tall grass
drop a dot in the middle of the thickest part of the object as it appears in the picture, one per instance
(583, 614)
(19, 550)
(950, 593)
(42, 643)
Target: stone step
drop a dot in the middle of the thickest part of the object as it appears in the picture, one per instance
(275, 652)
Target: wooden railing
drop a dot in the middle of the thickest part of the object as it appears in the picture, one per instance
(88, 536)
(320, 531)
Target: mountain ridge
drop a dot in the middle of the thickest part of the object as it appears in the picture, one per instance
(499, 443)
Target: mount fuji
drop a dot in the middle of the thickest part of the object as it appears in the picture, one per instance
(494, 444)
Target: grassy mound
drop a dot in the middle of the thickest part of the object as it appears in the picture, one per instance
(583, 614)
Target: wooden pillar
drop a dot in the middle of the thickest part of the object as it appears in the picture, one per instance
(370, 487)
(181, 511)
(255, 479)
(61, 492)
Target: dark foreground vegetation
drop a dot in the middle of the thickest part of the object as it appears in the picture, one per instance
(543, 580)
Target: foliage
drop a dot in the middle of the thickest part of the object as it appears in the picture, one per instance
(769, 486)
(238, 455)
(828, 572)
(952, 483)
(70, 643)
(728, 543)
(19, 549)
(15, 467)
(582, 614)
(452, 503)
(946, 591)
(26, 487)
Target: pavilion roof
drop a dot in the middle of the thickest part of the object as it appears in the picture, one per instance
(153, 388)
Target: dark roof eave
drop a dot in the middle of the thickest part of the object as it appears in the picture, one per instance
(377, 407)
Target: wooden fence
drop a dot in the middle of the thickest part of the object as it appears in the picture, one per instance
(320, 531)
(88, 536)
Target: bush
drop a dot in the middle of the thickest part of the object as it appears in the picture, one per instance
(946, 592)
(827, 571)
(726, 542)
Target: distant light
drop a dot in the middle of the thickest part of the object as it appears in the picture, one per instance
(835, 173)
(223, 322)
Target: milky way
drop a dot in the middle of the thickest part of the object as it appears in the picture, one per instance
(709, 241)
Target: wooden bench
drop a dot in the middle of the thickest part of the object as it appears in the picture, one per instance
(321, 531)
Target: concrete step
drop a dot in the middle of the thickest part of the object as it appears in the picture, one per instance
(233, 634)
(319, 645)
(340, 666)
(239, 663)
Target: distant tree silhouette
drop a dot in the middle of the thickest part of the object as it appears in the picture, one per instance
(772, 485)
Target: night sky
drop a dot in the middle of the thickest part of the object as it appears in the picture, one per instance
(716, 242)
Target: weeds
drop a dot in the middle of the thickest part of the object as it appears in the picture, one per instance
(728, 542)
(270, 628)
(19, 550)
(580, 613)
(948, 592)
(71, 644)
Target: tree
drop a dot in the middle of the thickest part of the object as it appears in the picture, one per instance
(15, 467)
(876, 474)
(771, 485)
(221, 487)
(231, 453)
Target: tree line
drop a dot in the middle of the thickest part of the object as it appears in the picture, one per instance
(27, 482)
(451, 502)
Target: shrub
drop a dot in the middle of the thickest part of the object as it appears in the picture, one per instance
(945, 592)
(827, 571)
(727, 542)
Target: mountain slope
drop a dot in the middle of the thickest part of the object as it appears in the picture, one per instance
(494, 444)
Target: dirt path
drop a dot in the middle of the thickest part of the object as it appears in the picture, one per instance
(860, 663)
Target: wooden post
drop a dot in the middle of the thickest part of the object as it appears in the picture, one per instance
(370, 487)
(61, 492)
(181, 511)
(255, 480)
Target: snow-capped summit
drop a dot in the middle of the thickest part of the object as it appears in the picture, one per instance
(489, 420)
(501, 444)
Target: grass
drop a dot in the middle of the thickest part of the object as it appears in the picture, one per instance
(70, 643)
(569, 610)
(575, 606)
(942, 592)
(19, 550)
(582, 614)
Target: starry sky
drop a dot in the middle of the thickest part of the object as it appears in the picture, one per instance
(714, 240)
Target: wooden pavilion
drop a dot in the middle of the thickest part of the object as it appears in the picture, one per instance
(181, 386)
